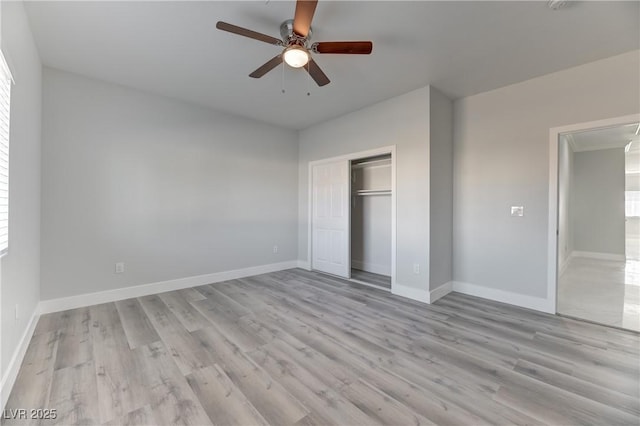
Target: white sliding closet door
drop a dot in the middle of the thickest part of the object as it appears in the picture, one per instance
(330, 219)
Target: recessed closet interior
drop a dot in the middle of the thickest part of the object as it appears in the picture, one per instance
(371, 220)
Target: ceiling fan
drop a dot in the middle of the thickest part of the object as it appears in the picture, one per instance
(296, 40)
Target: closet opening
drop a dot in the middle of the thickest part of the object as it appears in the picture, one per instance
(352, 217)
(371, 220)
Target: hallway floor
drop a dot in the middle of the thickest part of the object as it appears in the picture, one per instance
(603, 291)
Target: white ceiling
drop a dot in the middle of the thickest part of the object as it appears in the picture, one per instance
(462, 48)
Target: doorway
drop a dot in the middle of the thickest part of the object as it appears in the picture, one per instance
(597, 235)
(352, 220)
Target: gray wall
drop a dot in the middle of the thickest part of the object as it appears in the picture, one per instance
(501, 158)
(171, 189)
(20, 277)
(441, 198)
(402, 121)
(371, 234)
(597, 204)
(565, 226)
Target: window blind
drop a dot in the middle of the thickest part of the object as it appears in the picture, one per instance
(5, 99)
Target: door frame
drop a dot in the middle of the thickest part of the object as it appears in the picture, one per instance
(391, 149)
(552, 225)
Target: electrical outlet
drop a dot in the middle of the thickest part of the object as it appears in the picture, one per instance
(416, 268)
(517, 211)
(275, 249)
(119, 267)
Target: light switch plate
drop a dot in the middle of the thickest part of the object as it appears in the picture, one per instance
(517, 211)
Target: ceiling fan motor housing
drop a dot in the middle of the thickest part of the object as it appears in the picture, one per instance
(289, 37)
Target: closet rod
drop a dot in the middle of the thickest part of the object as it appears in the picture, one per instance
(362, 192)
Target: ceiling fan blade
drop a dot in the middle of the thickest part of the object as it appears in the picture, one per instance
(316, 73)
(304, 14)
(248, 33)
(348, 47)
(271, 64)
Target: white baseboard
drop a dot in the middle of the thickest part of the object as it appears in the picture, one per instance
(81, 300)
(371, 267)
(419, 294)
(601, 256)
(522, 300)
(11, 374)
(440, 291)
(422, 295)
(303, 264)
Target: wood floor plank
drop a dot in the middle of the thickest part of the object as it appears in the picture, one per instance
(380, 407)
(170, 396)
(301, 348)
(120, 389)
(580, 387)
(186, 351)
(422, 400)
(558, 406)
(272, 400)
(54, 321)
(181, 307)
(222, 400)
(74, 346)
(33, 384)
(191, 294)
(226, 304)
(136, 324)
(74, 393)
(227, 322)
(140, 417)
(313, 392)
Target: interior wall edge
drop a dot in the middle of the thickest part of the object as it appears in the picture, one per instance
(418, 294)
(440, 291)
(303, 264)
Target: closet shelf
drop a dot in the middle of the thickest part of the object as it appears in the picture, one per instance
(362, 192)
(385, 162)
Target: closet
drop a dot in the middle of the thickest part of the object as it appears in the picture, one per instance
(371, 216)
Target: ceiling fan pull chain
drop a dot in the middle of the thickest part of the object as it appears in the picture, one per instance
(308, 79)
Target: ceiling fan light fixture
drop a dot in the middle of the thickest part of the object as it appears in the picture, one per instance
(296, 56)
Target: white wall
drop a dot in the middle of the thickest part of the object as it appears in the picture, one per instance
(402, 121)
(597, 202)
(441, 181)
(501, 158)
(173, 190)
(565, 172)
(20, 278)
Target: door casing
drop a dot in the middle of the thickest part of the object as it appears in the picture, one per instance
(552, 226)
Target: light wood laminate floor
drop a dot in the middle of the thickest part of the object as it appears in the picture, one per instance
(300, 348)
